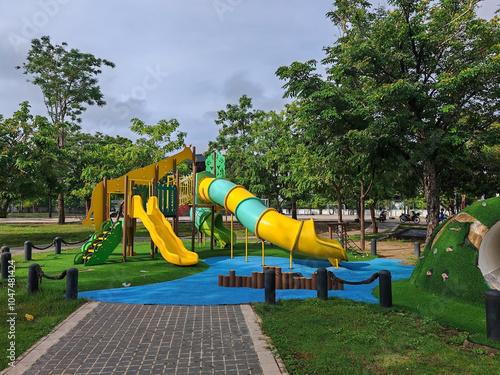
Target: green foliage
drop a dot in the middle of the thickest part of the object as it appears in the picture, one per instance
(30, 157)
(421, 79)
(67, 78)
(260, 150)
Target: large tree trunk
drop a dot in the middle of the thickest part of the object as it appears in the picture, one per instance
(61, 219)
(374, 219)
(339, 200)
(431, 193)
(361, 215)
(4, 208)
(294, 210)
(50, 203)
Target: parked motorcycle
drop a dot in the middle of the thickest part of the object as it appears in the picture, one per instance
(415, 217)
(383, 216)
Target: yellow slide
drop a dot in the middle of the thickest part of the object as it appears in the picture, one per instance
(267, 223)
(162, 234)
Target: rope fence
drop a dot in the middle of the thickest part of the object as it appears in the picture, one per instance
(28, 246)
(36, 274)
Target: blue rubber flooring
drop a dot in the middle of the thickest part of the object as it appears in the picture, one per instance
(202, 288)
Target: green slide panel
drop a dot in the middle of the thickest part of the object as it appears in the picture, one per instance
(101, 244)
(203, 221)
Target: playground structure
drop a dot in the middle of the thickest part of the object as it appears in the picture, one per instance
(210, 194)
(267, 223)
(138, 187)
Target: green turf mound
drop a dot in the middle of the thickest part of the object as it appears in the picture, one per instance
(462, 259)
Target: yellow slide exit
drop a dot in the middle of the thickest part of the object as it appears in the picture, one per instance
(162, 234)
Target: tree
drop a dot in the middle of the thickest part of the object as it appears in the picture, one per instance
(68, 80)
(259, 148)
(424, 76)
(157, 140)
(97, 156)
(236, 140)
(26, 159)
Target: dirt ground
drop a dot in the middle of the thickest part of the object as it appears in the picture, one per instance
(390, 249)
(393, 249)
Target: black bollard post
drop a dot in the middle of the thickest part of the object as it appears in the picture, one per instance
(32, 278)
(72, 283)
(57, 249)
(493, 314)
(28, 246)
(5, 262)
(270, 287)
(416, 250)
(5, 249)
(322, 283)
(385, 288)
(374, 246)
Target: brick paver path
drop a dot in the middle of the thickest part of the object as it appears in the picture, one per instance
(153, 339)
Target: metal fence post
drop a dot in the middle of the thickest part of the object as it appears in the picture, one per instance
(493, 314)
(416, 249)
(270, 287)
(5, 260)
(322, 283)
(72, 283)
(28, 246)
(385, 288)
(57, 249)
(32, 285)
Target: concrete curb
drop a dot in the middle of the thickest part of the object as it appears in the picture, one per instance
(271, 363)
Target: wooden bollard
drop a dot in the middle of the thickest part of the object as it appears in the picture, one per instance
(296, 283)
(277, 272)
(238, 281)
(285, 280)
(254, 279)
(261, 276)
(248, 281)
(232, 278)
(314, 281)
(225, 281)
(302, 282)
(219, 281)
(308, 283)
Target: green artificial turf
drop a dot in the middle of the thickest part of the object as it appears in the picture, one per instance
(448, 266)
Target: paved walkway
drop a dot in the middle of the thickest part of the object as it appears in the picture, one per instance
(112, 338)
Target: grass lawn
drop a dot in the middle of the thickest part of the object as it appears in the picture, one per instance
(339, 336)
(15, 234)
(313, 337)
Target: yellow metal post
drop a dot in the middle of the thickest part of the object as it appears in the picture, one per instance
(246, 245)
(263, 263)
(231, 236)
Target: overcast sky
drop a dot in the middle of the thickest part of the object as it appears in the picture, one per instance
(183, 59)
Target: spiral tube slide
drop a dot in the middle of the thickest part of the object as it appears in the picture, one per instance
(267, 223)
